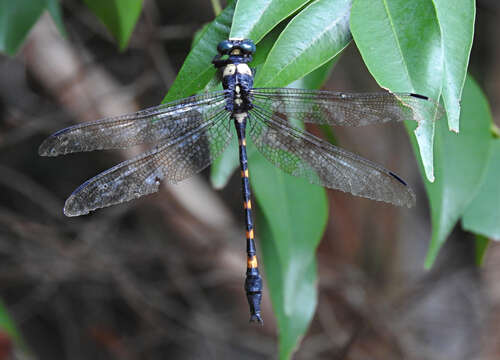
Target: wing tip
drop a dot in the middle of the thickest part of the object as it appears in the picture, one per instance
(437, 110)
(47, 147)
(418, 96)
(73, 208)
(51, 145)
(411, 199)
(398, 178)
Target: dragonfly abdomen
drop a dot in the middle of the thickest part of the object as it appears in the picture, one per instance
(253, 282)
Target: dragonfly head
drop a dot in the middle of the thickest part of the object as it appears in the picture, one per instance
(234, 51)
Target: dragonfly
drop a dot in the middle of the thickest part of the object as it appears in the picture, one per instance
(188, 134)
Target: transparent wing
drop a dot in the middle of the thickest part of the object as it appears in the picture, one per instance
(172, 161)
(301, 154)
(146, 126)
(346, 109)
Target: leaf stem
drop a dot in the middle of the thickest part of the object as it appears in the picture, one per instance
(495, 130)
(216, 6)
(481, 245)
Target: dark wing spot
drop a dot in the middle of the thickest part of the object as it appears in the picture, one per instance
(398, 178)
(418, 96)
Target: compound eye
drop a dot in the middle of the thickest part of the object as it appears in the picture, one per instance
(224, 47)
(247, 46)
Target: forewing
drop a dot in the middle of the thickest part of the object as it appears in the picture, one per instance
(172, 161)
(301, 154)
(345, 109)
(151, 125)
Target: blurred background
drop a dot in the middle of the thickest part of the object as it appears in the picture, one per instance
(161, 277)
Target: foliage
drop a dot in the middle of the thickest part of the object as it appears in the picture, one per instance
(408, 46)
(18, 17)
(119, 16)
(483, 214)
(460, 161)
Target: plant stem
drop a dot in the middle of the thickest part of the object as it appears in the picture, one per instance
(495, 131)
(216, 6)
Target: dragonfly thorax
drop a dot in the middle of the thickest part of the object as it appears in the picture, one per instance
(237, 77)
(237, 80)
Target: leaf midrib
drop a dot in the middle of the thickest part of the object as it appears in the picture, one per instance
(313, 42)
(396, 39)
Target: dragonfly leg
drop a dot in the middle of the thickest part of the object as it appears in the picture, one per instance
(253, 282)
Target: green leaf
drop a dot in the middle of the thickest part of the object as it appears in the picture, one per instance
(481, 244)
(291, 219)
(265, 46)
(317, 78)
(253, 19)
(456, 20)
(197, 35)
(483, 214)
(495, 131)
(312, 38)
(16, 19)
(400, 42)
(461, 161)
(119, 16)
(216, 6)
(54, 9)
(225, 165)
(198, 70)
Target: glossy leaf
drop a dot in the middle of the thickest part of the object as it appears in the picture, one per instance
(400, 43)
(317, 78)
(197, 70)
(253, 19)
(481, 244)
(197, 35)
(119, 17)
(265, 46)
(483, 214)
(461, 161)
(312, 38)
(456, 21)
(291, 219)
(17, 17)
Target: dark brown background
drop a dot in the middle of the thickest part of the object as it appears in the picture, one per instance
(162, 277)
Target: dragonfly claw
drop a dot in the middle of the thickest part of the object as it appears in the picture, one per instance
(256, 318)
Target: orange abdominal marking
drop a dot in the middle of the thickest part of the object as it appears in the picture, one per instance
(247, 205)
(252, 262)
(250, 234)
